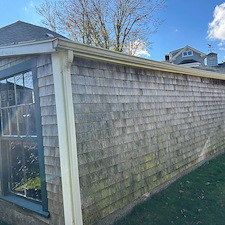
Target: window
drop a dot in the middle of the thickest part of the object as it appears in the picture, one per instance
(21, 141)
(187, 53)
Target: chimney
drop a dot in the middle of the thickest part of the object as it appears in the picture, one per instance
(211, 59)
(167, 58)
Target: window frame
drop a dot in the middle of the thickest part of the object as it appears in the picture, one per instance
(39, 207)
(183, 53)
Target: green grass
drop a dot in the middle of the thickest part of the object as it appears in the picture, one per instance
(32, 183)
(196, 198)
(2, 223)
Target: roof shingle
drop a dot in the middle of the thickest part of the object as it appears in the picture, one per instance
(21, 32)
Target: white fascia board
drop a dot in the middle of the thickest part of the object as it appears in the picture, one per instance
(195, 50)
(28, 48)
(109, 56)
(180, 52)
(191, 65)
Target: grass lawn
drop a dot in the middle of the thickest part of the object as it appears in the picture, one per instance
(1, 223)
(197, 198)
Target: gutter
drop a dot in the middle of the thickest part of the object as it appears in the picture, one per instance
(109, 56)
(91, 52)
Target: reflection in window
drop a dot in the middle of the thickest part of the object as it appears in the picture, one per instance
(17, 105)
(24, 174)
(19, 134)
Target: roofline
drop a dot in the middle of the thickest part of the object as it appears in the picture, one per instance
(177, 50)
(187, 46)
(91, 52)
(57, 35)
(28, 48)
(184, 49)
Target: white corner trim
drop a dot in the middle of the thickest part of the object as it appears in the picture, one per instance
(61, 65)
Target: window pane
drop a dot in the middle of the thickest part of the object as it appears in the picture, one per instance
(24, 169)
(28, 80)
(31, 120)
(13, 120)
(18, 125)
(19, 83)
(22, 120)
(17, 105)
(10, 91)
(5, 122)
(28, 88)
(3, 89)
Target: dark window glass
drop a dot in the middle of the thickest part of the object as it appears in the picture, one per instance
(19, 134)
(24, 174)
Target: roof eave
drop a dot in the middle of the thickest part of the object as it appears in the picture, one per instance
(81, 50)
(29, 48)
(109, 56)
(203, 55)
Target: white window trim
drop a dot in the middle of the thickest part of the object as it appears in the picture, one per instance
(187, 54)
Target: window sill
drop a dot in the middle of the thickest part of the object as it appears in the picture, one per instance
(25, 204)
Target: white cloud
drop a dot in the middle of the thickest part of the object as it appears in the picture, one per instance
(142, 52)
(25, 9)
(138, 48)
(216, 28)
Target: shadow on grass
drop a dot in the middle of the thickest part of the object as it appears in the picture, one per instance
(196, 198)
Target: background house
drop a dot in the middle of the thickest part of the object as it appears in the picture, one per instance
(187, 55)
(193, 58)
(96, 131)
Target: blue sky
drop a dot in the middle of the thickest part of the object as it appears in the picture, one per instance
(186, 23)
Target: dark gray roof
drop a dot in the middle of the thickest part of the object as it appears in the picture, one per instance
(221, 64)
(21, 32)
(217, 69)
(173, 53)
(188, 61)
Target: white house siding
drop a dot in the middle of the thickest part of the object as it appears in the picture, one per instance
(195, 57)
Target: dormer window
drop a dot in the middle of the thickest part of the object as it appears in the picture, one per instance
(187, 53)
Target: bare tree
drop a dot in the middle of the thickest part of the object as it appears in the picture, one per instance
(47, 11)
(111, 24)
